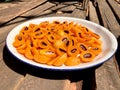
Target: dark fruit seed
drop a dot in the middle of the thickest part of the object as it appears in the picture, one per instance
(88, 55)
(31, 44)
(64, 39)
(56, 22)
(67, 44)
(62, 50)
(38, 34)
(73, 50)
(87, 29)
(49, 32)
(83, 47)
(72, 42)
(79, 34)
(26, 28)
(52, 37)
(19, 38)
(37, 29)
(66, 31)
(44, 43)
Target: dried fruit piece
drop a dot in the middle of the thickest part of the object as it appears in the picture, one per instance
(21, 51)
(43, 43)
(51, 38)
(73, 51)
(58, 44)
(34, 51)
(87, 56)
(39, 34)
(61, 50)
(82, 47)
(19, 40)
(41, 58)
(72, 61)
(53, 60)
(60, 61)
(96, 49)
(28, 53)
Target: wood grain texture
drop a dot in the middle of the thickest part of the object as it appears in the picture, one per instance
(37, 83)
(8, 77)
(79, 14)
(59, 6)
(108, 18)
(37, 11)
(10, 69)
(4, 30)
(85, 4)
(1, 50)
(68, 8)
(115, 7)
(107, 76)
(92, 13)
(13, 12)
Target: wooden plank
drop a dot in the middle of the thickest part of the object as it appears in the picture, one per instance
(9, 70)
(108, 18)
(46, 13)
(37, 83)
(107, 76)
(7, 5)
(37, 11)
(70, 2)
(103, 80)
(7, 28)
(85, 4)
(60, 13)
(68, 8)
(79, 85)
(79, 13)
(79, 5)
(115, 7)
(13, 12)
(92, 13)
(59, 6)
(1, 50)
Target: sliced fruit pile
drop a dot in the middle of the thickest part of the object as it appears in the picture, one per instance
(58, 43)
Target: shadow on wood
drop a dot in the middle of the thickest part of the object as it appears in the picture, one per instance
(23, 68)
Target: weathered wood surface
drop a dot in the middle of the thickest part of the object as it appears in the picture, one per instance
(37, 11)
(115, 7)
(4, 30)
(8, 14)
(37, 83)
(108, 18)
(107, 73)
(16, 75)
(8, 77)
